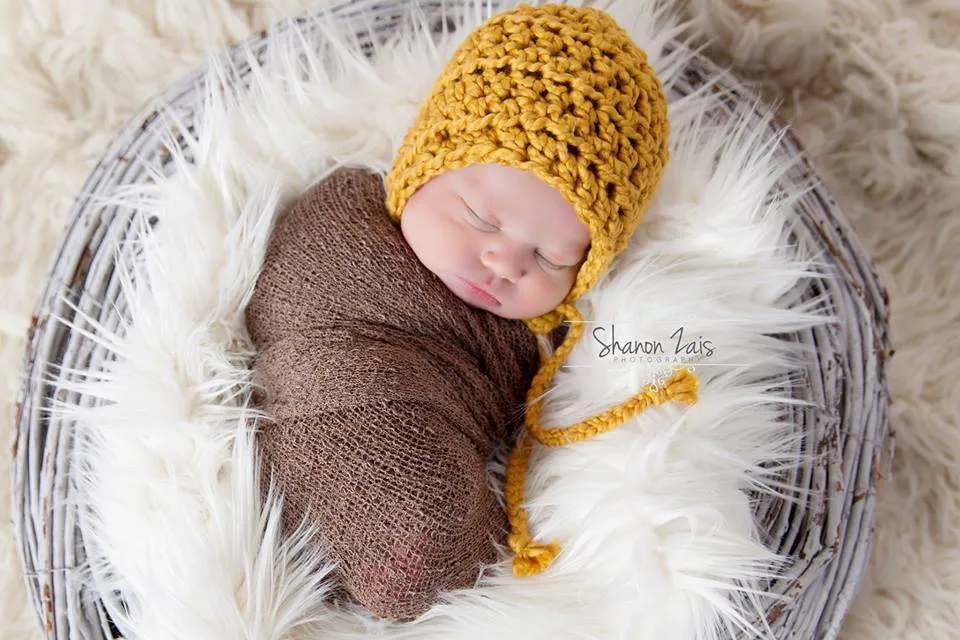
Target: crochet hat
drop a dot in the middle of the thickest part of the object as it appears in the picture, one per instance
(564, 92)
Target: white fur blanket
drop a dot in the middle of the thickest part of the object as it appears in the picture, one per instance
(934, 168)
(655, 517)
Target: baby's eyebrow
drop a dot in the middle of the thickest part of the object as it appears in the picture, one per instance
(574, 250)
(567, 258)
(484, 209)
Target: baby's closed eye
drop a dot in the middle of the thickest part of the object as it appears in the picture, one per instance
(486, 226)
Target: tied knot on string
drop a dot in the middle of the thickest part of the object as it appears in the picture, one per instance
(531, 557)
(683, 386)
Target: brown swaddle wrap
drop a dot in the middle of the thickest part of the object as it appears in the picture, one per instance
(387, 395)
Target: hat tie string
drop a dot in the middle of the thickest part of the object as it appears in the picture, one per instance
(531, 557)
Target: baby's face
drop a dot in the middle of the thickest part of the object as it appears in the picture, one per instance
(500, 230)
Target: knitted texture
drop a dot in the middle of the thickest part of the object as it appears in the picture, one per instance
(386, 394)
(563, 92)
(560, 91)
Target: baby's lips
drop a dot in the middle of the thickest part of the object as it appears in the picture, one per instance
(483, 289)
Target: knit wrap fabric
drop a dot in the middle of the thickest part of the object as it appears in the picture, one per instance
(386, 395)
(558, 90)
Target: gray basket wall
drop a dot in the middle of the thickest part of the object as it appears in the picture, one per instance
(829, 536)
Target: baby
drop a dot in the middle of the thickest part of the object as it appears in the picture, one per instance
(396, 320)
(500, 238)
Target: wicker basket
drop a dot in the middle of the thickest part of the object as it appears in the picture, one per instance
(829, 536)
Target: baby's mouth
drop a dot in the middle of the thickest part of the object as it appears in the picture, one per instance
(478, 293)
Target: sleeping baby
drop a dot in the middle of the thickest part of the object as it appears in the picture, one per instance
(396, 319)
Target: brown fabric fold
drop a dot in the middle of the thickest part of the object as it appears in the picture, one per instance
(387, 395)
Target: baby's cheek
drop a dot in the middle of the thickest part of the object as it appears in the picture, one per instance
(450, 249)
(570, 280)
(542, 296)
(423, 238)
(563, 287)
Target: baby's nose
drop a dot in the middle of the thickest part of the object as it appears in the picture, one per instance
(504, 264)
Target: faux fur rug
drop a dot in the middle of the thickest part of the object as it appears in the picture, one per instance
(654, 518)
(868, 86)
